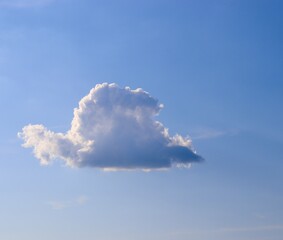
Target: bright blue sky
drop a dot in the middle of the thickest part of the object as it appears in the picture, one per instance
(217, 68)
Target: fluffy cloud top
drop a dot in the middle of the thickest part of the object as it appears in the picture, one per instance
(112, 128)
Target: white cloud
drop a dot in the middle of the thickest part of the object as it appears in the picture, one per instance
(59, 205)
(205, 133)
(81, 200)
(113, 128)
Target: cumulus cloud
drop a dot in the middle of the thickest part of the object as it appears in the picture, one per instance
(113, 128)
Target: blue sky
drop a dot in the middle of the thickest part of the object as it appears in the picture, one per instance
(217, 68)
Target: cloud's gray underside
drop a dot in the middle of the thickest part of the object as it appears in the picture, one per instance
(113, 128)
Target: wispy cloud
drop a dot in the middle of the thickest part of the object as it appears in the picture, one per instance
(24, 3)
(113, 128)
(59, 205)
(81, 200)
(209, 133)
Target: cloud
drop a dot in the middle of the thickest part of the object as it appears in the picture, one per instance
(24, 3)
(81, 200)
(205, 133)
(113, 129)
(208, 133)
(59, 205)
